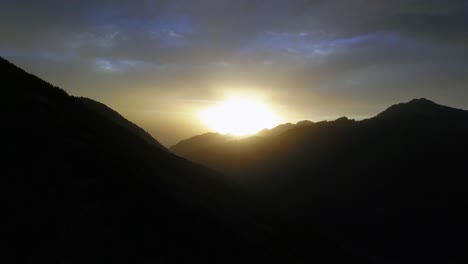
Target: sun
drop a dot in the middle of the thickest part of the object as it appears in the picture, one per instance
(239, 116)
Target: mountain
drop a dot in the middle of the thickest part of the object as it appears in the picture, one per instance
(193, 147)
(391, 188)
(194, 144)
(80, 184)
(276, 130)
(110, 114)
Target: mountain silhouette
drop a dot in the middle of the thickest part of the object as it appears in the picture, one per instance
(391, 187)
(276, 130)
(194, 147)
(110, 114)
(194, 144)
(81, 184)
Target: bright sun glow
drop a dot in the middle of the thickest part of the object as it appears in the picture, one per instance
(239, 117)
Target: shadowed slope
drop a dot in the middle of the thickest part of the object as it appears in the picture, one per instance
(195, 148)
(195, 144)
(392, 187)
(81, 185)
(110, 114)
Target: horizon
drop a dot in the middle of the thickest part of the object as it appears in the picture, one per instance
(259, 131)
(161, 63)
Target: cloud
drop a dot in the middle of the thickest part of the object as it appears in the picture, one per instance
(370, 52)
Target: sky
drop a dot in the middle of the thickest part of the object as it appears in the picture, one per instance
(159, 63)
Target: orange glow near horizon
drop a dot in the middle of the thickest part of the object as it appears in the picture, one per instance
(239, 117)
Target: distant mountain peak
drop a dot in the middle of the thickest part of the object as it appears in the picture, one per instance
(342, 119)
(422, 99)
(418, 102)
(421, 107)
(304, 123)
(421, 102)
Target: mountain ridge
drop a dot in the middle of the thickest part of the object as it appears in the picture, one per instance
(422, 107)
(80, 187)
(109, 113)
(392, 186)
(211, 139)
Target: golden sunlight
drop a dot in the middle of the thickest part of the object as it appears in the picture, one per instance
(240, 117)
